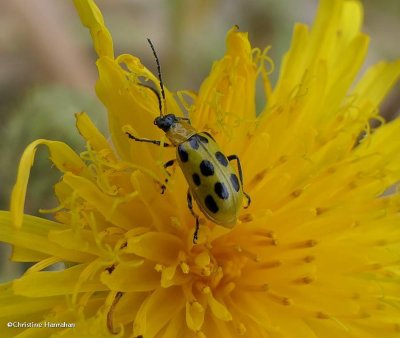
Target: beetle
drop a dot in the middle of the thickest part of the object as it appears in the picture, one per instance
(216, 188)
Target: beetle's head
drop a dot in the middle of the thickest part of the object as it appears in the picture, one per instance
(165, 122)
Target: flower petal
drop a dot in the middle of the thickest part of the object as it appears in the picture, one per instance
(375, 85)
(20, 254)
(60, 154)
(128, 306)
(108, 206)
(227, 97)
(167, 246)
(33, 236)
(55, 283)
(152, 317)
(128, 278)
(92, 18)
(176, 327)
(86, 241)
(129, 104)
(13, 307)
(91, 134)
(218, 309)
(318, 70)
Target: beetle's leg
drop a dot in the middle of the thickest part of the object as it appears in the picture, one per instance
(157, 143)
(235, 157)
(167, 165)
(190, 206)
(111, 311)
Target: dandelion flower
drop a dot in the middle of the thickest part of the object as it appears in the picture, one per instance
(317, 254)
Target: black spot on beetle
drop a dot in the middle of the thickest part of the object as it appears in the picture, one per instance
(202, 139)
(194, 142)
(221, 191)
(211, 204)
(196, 179)
(221, 158)
(206, 168)
(183, 155)
(235, 182)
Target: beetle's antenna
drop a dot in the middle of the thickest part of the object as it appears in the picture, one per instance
(159, 75)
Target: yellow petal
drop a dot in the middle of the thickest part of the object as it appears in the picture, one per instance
(250, 307)
(128, 306)
(128, 104)
(293, 65)
(334, 46)
(68, 238)
(167, 246)
(132, 278)
(227, 96)
(218, 309)
(375, 85)
(152, 317)
(337, 23)
(13, 307)
(344, 73)
(33, 236)
(20, 254)
(92, 18)
(214, 326)
(91, 134)
(107, 205)
(55, 283)
(60, 154)
(385, 145)
(176, 327)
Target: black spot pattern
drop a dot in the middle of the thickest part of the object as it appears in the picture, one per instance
(206, 168)
(183, 155)
(211, 204)
(221, 158)
(196, 179)
(202, 139)
(221, 191)
(235, 182)
(194, 142)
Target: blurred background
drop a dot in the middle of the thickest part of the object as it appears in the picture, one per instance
(47, 66)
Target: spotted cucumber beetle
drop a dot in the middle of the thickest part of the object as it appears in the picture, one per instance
(216, 188)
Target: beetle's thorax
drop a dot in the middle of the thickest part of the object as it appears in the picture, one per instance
(176, 129)
(180, 132)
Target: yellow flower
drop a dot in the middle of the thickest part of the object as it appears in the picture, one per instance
(317, 254)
